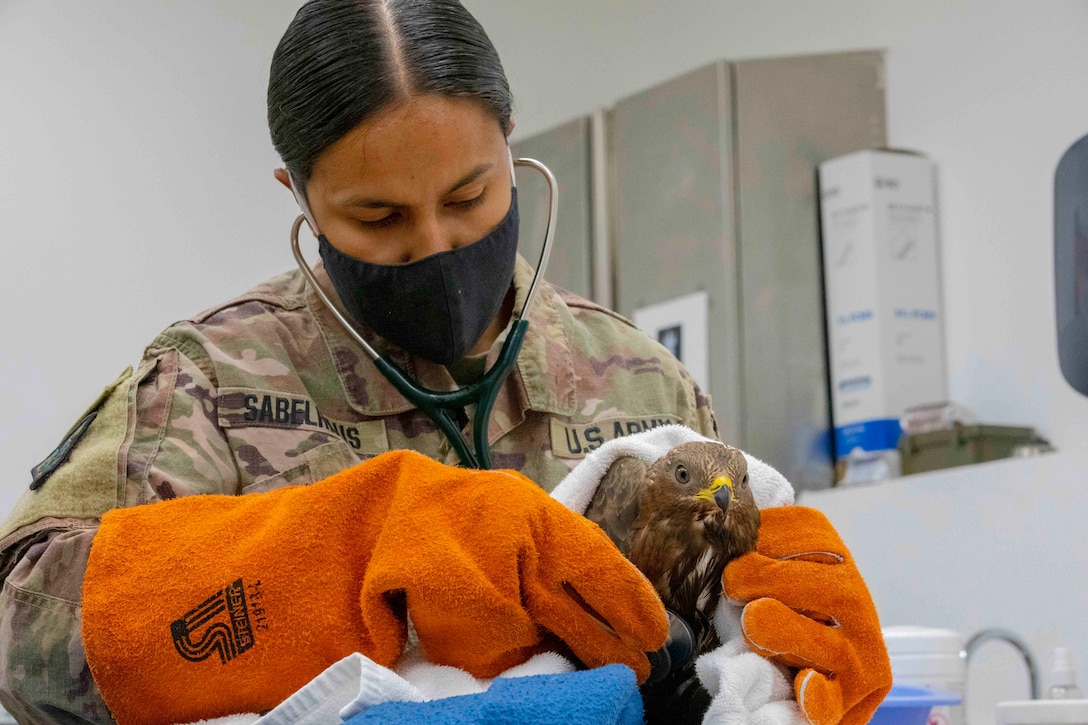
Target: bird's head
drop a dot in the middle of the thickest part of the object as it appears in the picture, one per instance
(706, 484)
(704, 473)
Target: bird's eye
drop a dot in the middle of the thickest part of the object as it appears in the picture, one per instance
(682, 475)
(745, 481)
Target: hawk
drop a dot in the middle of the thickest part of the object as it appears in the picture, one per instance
(679, 520)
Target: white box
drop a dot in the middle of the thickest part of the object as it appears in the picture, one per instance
(882, 281)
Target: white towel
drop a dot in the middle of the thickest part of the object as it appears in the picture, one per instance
(746, 688)
(769, 487)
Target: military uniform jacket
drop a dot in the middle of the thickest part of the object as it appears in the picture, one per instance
(269, 390)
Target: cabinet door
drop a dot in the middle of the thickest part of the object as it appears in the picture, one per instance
(672, 227)
(566, 152)
(790, 115)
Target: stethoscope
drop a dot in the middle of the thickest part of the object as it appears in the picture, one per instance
(438, 404)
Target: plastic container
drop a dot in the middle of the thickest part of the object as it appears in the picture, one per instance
(935, 416)
(933, 659)
(908, 705)
(1063, 677)
(862, 466)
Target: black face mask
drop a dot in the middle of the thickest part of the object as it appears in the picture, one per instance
(437, 307)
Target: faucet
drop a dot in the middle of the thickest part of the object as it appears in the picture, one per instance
(986, 635)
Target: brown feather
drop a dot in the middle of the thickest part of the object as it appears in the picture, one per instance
(615, 504)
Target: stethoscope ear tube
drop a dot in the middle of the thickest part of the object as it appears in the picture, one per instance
(549, 232)
(482, 393)
(304, 267)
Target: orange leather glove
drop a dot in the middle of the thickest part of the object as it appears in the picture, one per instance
(208, 605)
(808, 608)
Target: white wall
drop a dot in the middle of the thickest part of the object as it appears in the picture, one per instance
(136, 188)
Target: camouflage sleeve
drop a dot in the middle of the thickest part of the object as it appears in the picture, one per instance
(156, 436)
(44, 676)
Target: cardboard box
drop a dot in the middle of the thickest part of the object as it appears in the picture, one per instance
(882, 283)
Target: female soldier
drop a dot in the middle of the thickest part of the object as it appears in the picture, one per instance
(392, 119)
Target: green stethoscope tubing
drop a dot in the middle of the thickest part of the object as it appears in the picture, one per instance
(438, 404)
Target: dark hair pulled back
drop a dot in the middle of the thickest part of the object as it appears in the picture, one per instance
(342, 61)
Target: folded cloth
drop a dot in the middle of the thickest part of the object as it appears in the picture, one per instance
(204, 606)
(324, 698)
(605, 696)
(356, 683)
(746, 689)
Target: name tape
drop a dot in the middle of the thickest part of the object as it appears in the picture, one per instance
(575, 440)
(246, 407)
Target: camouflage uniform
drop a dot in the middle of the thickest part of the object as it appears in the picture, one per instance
(268, 390)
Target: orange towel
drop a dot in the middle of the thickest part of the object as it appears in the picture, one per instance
(808, 608)
(208, 605)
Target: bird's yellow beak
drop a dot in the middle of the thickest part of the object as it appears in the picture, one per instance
(708, 493)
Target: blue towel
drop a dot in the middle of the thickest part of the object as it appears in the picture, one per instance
(605, 696)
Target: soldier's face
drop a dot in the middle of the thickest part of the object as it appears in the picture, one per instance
(424, 176)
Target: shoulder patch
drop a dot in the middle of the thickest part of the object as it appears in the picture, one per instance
(40, 473)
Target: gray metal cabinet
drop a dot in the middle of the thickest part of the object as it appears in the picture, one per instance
(671, 184)
(712, 187)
